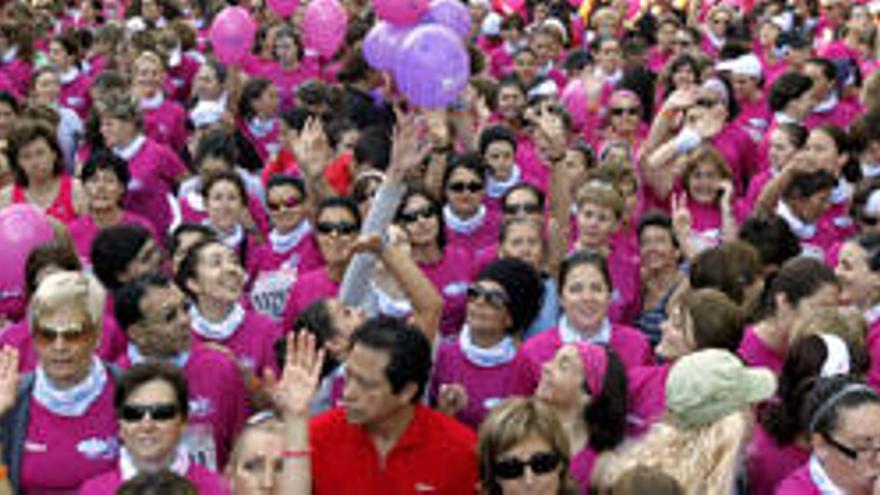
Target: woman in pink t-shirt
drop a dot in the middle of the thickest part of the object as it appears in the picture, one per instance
(225, 199)
(469, 223)
(164, 119)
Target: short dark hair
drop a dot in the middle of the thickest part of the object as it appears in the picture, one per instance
(217, 144)
(142, 373)
(279, 180)
(250, 92)
(731, 268)
(230, 176)
(60, 254)
(584, 257)
(539, 194)
(188, 269)
(771, 236)
(188, 228)
(806, 184)
(659, 219)
(103, 159)
(114, 248)
(799, 278)
(161, 483)
(788, 87)
(127, 300)
(24, 133)
(343, 202)
(496, 133)
(821, 411)
(373, 147)
(468, 161)
(408, 351)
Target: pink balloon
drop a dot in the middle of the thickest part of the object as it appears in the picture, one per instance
(452, 14)
(22, 228)
(323, 26)
(232, 34)
(382, 43)
(432, 67)
(284, 8)
(401, 12)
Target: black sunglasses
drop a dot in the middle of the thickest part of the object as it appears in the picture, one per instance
(340, 228)
(289, 203)
(494, 297)
(706, 102)
(131, 413)
(414, 215)
(849, 452)
(516, 208)
(460, 187)
(625, 111)
(539, 462)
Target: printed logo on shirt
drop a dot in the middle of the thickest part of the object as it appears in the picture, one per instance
(177, 82)
(199, 442)
(75, 101)
(424, 488)
(843, 221)
(248, 362)
(200, 407)
(135, 184)
(455, 289)
(99, 448)
(270, 291)
(35, 447)
(491, 402)
(813, 251)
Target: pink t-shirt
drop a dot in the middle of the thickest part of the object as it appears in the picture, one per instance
(60, 453)
(769, 463)
(252, 342)
(451, 276)
(647, 395)
(166, 125)
(755, 352)
(75, 95)
(309, 288)
(873, 344)
(84, 229)
(798, 483)
(181, 77)
(582, 468)
(274, 273)
(483, 236)
(155, 170)
(841, 115)
(288, 80)
(205, 481)
(737, 148)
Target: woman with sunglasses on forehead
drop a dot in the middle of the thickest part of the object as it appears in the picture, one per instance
(152, 407)
(842, 416)
(472, 373)
(470, 224)
(61, 416)
(524, 450)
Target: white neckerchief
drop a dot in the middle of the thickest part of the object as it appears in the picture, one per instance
(872, 315)
(464, 226)
(486, 357)
(799, 227)
(231, 240)
(179, 463)
(570, 335)
(10, 55)
(496, 189)
(717, 41)
(841, 192)
(68, 76)
(261, 127)
(220, 330)
(611, 79)
(153, 102)
(175, 57)
(74, 401)
(827, 104)
(782, 118)
(128, 151)
(870, 170)
(283, 243)
(820, 478)
(389, 305)
(135, 356)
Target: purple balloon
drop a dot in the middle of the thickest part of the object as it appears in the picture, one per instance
(432, 66)
(452, 14)
(232, 34)
(382, 44)
(323, 26)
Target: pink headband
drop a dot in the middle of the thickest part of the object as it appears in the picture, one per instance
(595, 360)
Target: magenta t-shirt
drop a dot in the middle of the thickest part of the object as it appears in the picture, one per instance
(451, 276)
(60, 453)
(155, 171)
(166, 125)
(480, 238)
(755, 352)
(647, 395)
(84, 229)
(873, 344)
(252, 342)
(205, 481)
(273, 274)
(582, 468)
(769, 463)
(75, 95)
(798, 483)
(309, 288)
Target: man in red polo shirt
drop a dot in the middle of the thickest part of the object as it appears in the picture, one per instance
(382, 441)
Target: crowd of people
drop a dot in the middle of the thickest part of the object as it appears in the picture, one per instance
(639, 254)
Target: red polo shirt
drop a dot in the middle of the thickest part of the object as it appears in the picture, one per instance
(435, 454)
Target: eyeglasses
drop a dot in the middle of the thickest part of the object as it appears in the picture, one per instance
(71, 334)
(170, 313)
(683, 43)
(706, 102)
(133, 413)
(460, 187)
(289, 204)
(855, 454)
(494, 297)
(625, 111)
(339, 228)
(519, 208)
(539, 463)
(414, 215)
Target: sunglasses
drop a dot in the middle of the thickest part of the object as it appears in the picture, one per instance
(414, 216)
(71, 334)
(289, 203)
(625, 111)
(158, 412)
(518, 208)
(494, 297)
(460, 187)
(539, 463)
(339, 228)
(706, 102)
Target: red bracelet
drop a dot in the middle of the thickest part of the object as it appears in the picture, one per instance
(296, 454)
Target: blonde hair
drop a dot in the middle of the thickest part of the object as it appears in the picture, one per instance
(602, 194)
(64, 289)
(705, 153)
(704, 459)
(847, 323)
(149, 56)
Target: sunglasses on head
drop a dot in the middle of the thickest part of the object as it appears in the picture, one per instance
(414, 215)
(132, 413)
(71, 334)
(517, 208)
(539, 463)
(494, 297)
(339, 228)
(460, 187)
(625, 111)
(289, 203)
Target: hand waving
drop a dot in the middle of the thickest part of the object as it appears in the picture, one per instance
(312, 149)
(407, 150)
(300, 377)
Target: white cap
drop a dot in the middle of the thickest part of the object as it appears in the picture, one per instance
(206, 113)
(491, 24)
(744, 65)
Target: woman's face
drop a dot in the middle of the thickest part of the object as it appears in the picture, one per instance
(224, 205)
(151, 423)
(285, 50)
(822, 151)
(219, 275)
(7, 117)
(346, 319)
(64, 342)
(684, 77)
(860, 286)
(596, 223)
(676, 334)
(523, 241)
(266, 105)
(420, 221)
(46, 88)
(486, 309)
(257, 470)
(586, 297)
(117, 132)
(562, 379)
(526, 67)
(150, 10)
(104, 190)
(148, 76)
(719, 22)
(37, 159)
(624, 111)
(59, 57)
(704, 183)
(858, 429)
(511, 102)
(464, 192)
(610, 56)
(534, 448)
(286, 207)
(499, 157)
(206, 84)
(781, 149)
(522, 204)
(657, 249)
(336, 230)
(768, 34)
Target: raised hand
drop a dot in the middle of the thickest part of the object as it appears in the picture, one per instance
(681, 217)
(407, 149)
(8, 378)
(300, 376)
(312, 149)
